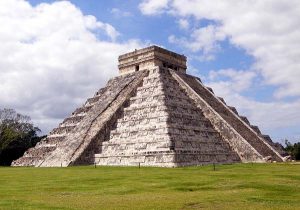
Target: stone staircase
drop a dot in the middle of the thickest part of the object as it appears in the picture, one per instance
(163, 127)
(57, 140)
(140, 135)
(36, 154)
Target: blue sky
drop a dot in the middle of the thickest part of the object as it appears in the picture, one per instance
(156, 30)
(241, 49)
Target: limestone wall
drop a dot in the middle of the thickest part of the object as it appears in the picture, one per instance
(68, 151)
(242, 128)
(61, 145)
(150, 57)
(141, 134)
(163, 127)
(245, 151)
(35, 155)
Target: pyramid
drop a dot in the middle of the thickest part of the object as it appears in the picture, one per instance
(153, 114)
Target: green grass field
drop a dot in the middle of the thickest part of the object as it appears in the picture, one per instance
(238, 186)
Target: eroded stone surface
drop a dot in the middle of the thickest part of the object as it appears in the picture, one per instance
(163, 127)
(250, 133)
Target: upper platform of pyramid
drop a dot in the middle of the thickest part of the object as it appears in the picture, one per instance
(150, 57)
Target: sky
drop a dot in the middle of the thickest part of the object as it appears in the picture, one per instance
(56, 54)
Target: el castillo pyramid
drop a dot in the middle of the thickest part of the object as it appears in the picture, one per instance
(153, 114)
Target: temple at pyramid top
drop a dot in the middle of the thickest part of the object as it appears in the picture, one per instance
(150, 57)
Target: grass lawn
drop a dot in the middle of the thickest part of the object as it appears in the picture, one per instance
(238, 186)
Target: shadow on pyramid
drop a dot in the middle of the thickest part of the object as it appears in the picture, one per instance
(153, 114)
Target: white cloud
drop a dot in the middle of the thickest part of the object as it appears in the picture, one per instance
(204, 39)
(153, 7)
(271, 117)
(52, 57)
(277, 118)
(268, 30)
(119, 13)
(234, 81)
(183, 24)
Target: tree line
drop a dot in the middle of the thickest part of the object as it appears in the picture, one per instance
(17, 134)
(293, 149)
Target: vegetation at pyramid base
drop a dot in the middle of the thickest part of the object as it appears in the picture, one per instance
(17, 134)
(293, 149)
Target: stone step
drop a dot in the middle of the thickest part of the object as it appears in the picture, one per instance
(100, 91)
(202, 137)
(267, 138)
(165, 101)
(171, 116)
(277, 146)
(146, 98)
(256, 129)
(26, 161)
(93, 100)
(74, 119)
(169, 92)
(210, 89)
(172, 109)
(151, 87)
(221, 99)
(233, 109)
(141, 137)
(39, 151)
(68, 124)
(62, 130)
(54, 140)
(172, 127)
(245, 119)
(131, 154)
(159, 98)
(144, 109)
(163, 128)
(56, 135)
(151, 117)
(161, 117)
(79, 111)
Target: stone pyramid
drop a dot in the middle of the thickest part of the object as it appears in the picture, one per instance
(153, 114)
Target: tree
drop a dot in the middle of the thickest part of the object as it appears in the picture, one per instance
(293, 149)
(17, 134)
